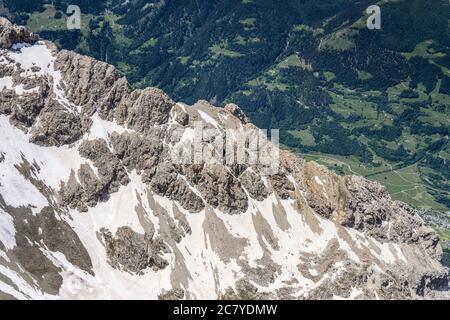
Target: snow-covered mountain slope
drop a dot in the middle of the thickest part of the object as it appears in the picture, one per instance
(93, 203)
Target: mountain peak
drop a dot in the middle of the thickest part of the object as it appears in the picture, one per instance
(106, 191)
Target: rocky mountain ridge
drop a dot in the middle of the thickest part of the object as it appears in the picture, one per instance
(91, 205)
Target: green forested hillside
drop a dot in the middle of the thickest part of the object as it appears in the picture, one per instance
(367, 102)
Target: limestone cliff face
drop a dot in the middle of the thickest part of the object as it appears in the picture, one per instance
(93, 205)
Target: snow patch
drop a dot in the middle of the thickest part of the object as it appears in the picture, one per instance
(7, 230)
(207, 118)
(319, 181)
(55, 163)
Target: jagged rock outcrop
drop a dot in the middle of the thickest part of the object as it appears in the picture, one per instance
(237, 112)
(11, 34)
(139, 153)
(282, 186)
(219, 187)
(253, 183)
(148, 107)
(245, 290)
(167, 183)
(94, 186)
(102, 195)
(57, 126)
(72, 193)
(111, 171)
(94, 85)
(173, 294)
(134, 252)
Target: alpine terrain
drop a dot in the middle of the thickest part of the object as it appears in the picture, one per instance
(92, 205)
(367, 102)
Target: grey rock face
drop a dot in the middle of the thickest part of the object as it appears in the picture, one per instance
(370, 207)
(173, 294)
(134, 252)
(254, 185)
(148, 107)
(181, 116)
(57, 126)
(167, 182)
(31, 106)
(139, 152)
(26, 116)
(430, 282)
(11, 34)
(219, 187)
(365, 210)
(72, 194)
(94, 187)
(24, 108)
(282, 186)
(245, 290)
(94, 85)
(97, 87)
(237, 112)
(112, 173)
